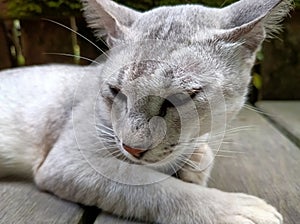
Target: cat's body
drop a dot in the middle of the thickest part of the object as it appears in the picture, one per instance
(111, 134)
(32, 129)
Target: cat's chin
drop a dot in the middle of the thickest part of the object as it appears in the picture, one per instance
(168, 160)
(169, 165)
(159, 165)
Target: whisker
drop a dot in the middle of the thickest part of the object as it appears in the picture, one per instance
(68, 28)
(105, 135)
(186, 160)
(225, 156)
(73, 55)
(106, 132)
(106, 138)
(257, 110)
(104, 126)
(193, 141)
(99, 126)
(228, 151)
(235, 130)
(174, 170)
(246, 127)
(193, 165)
(96, 146)
(114, 153)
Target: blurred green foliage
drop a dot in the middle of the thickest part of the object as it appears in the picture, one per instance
(147, 4)
(29, 8)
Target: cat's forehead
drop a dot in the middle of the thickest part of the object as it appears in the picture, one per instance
(177, 22)
(138, 69)
(151, 76)
(146, 74)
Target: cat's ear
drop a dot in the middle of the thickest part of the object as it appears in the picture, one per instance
(108, 18)
(249, 22)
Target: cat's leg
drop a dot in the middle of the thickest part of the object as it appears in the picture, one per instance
(198, 168)
(68, 175)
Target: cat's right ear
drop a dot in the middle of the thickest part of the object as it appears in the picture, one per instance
(249, 22)
(109, 19)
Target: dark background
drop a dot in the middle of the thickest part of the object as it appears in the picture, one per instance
(26, 39)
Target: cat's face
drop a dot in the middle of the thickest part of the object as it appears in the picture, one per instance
(152, 100)
(173, 74)
(162, 95)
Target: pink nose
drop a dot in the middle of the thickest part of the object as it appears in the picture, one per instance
(135, 152)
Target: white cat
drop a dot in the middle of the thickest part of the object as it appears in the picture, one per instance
(112, 134)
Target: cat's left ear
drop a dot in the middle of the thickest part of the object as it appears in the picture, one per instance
(109, 19)
(249, 22)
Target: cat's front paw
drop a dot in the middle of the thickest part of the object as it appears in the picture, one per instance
(247, 209)
(197, 169)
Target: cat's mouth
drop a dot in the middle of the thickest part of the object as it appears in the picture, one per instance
(135, 155)
(144, 156)
(169, 161)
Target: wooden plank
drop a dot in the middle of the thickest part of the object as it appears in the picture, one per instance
(40, 37)
(87, 49)
(105, 218)
(264, 163)
(280, 68)
(3, 9)
(5, 57)
(49, 37)
(21, 202)
(284, 113)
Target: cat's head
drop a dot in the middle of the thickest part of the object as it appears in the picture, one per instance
(175, 73)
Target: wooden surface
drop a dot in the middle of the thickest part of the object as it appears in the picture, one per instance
(263, 162)
(39, 37)
(284, 113)
(21, 203)
(105, 218)
(280, 67)
(5, 61)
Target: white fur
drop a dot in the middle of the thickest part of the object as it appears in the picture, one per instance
(34, 102)
(66, 124)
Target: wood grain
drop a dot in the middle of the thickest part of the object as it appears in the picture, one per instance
(21, 202)
(5, 58)
(284, 113)
(265, 164)
(40, 37)
(280, 67)
(105, 218)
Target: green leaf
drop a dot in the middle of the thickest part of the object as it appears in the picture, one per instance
(260, 56)
(21, 60)
(257, 80)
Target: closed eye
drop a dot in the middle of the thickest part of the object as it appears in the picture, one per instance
(193, 93)
(177, 99)
(116, 92)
